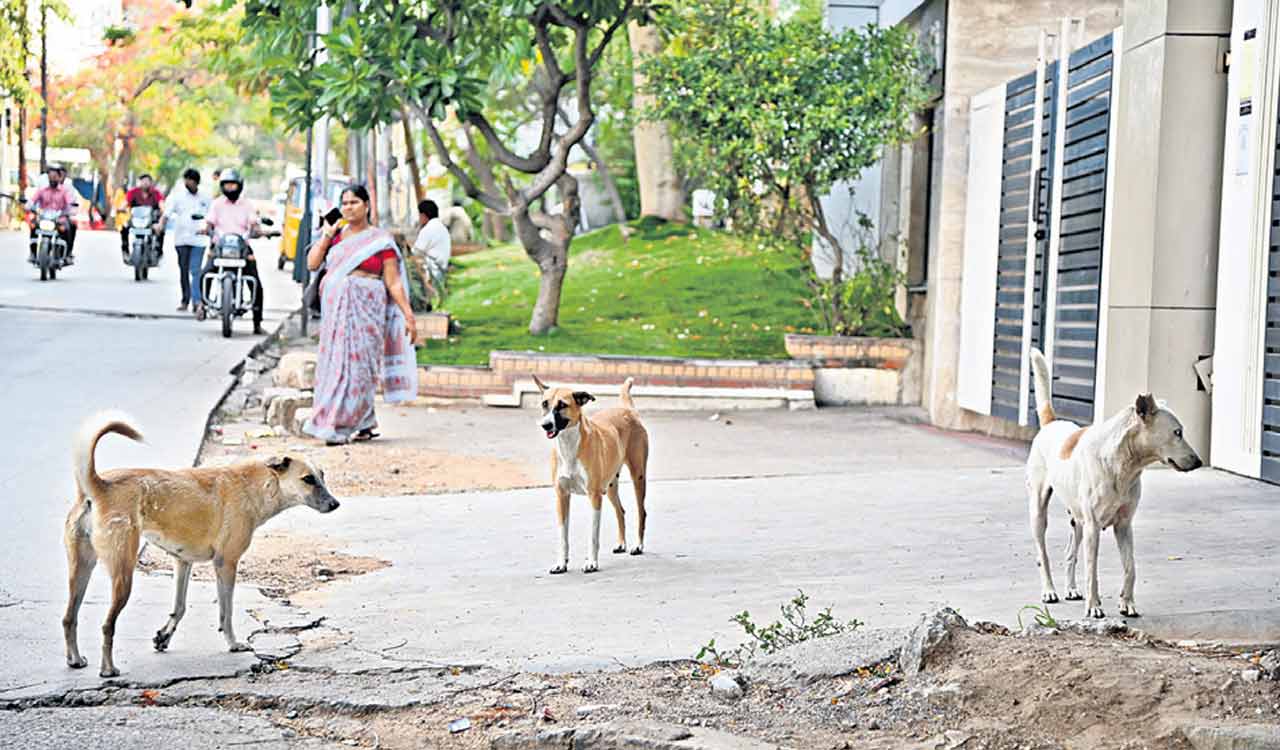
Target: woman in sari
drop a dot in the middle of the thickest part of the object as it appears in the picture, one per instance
(367, 329)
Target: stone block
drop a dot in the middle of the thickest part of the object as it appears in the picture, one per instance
(297, 370)
(282, 409)
(837, 386)
(300, 417)
(433, 325)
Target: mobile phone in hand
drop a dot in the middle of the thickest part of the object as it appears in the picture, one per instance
(332, 217)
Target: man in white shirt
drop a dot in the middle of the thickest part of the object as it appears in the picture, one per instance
(184, 204)
(434, 245)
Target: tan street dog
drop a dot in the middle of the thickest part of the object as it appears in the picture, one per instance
(196, 515)
(587, 460)
(1097, 472)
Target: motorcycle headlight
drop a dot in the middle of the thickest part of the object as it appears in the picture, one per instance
(140, 223)
(48, 225)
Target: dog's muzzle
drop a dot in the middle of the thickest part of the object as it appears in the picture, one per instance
(552, 426)
(327, 504)
(1192, 465)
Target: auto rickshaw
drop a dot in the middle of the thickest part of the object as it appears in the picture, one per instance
(293, 206)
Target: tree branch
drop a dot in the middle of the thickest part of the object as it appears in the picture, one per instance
(623, 15)
(160, 75)
(490, 201)
(611, 187)
(528, 164)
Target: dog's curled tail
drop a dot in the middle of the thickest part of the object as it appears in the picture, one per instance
(87, 443)
(1043, 390)
(626, 393)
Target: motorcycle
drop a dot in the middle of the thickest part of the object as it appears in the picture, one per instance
(225, 288)
(50, 249)
(144, 246)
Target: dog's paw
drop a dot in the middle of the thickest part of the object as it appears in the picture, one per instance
(1096, 613)
(1049, 597)
(637, 551)
(78, 662)
(620, 549)
(1128, 610)
(591, 568)
(557, 570)
(108, 672)
(161, 641)
(1074, 595)
(238, 646)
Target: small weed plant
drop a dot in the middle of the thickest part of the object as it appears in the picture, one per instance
(1042, 616)
(794, 627)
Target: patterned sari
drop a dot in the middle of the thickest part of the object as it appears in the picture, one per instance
(364, 340)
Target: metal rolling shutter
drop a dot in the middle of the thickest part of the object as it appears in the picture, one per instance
(1271, 353)
(1079, 271)
(1015, 198)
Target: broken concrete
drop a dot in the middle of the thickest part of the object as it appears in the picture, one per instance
(835, 656)
(1242, 737)
(927, 638)
(629, 735)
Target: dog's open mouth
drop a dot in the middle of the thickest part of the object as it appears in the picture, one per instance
(552, 433)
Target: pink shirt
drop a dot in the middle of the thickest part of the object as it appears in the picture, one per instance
(60, 198)
(226, 217)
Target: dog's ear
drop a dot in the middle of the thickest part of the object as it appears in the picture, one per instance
(279, 464)
(582, 397)
(541, 385)
(1146, 407)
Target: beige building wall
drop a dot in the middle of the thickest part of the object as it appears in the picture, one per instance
(1168, 189)
(987, 43)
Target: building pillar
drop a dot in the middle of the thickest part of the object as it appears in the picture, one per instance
(1161, 290)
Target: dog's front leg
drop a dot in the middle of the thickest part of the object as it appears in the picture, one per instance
(593, 555)
(1124, 540)
(562, 517)
(181, 577)
(1093, 605)
(225, 570)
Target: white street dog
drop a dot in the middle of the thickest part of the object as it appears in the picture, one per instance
(1097, 472)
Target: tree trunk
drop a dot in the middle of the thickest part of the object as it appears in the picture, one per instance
(44, 86)
(24, 180)
(411, 156)
(661, 192)
(546, 241)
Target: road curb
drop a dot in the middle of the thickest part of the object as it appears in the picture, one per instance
(234, 377)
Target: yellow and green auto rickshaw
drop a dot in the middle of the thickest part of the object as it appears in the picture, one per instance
(294, 202)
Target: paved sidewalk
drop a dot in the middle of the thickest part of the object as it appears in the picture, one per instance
(868, 511)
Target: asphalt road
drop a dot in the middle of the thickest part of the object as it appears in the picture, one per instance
(94, 339)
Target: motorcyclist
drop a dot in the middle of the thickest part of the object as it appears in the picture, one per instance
(145, 194)
(233, 214)
(57, 196)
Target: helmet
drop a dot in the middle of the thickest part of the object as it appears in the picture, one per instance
(55, 166)
(230, 175)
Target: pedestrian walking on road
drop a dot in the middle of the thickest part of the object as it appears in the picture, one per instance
(184, 204)
(367, 328)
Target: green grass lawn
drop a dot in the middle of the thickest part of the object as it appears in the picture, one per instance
(672, 290)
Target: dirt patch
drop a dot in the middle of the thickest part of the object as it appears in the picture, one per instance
(989, 691)
(280, 564)
(384, 467)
